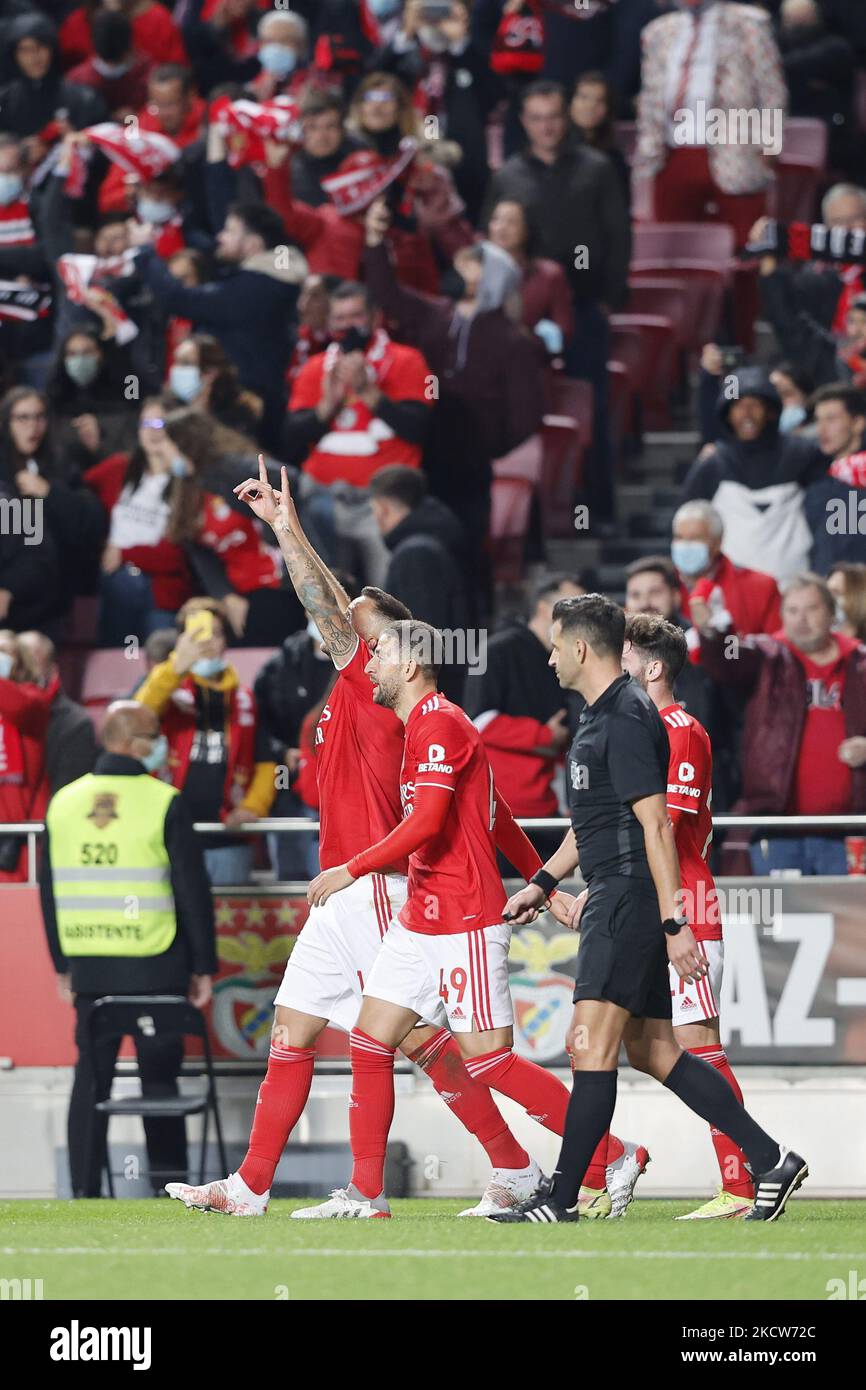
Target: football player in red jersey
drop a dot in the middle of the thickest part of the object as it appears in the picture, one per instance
(359, 753)
(445, 955)
(654, 654)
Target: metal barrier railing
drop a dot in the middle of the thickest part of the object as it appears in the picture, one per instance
(287, 824)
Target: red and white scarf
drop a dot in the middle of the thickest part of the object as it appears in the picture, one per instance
(78, 272)
(851, 469)
(276, 119)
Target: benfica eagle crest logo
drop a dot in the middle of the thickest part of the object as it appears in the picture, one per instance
(104, 809)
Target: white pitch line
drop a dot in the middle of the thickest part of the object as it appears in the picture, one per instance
(787, 1255)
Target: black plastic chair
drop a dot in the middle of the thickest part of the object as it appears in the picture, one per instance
(145, 1015)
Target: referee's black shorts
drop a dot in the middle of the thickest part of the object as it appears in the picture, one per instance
(623, 952)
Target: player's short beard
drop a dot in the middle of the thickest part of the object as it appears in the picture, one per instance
(386, 693)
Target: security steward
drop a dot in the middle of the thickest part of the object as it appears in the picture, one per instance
(128, 910)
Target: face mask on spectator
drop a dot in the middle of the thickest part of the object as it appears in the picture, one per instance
(179, 467)
(157, 755)
(10, 188)
(82, 368)
(209, 666)
(840, 617)
(154, 210)
(690, 557)
(277, 59)
(7, 663)
(185, 380)
(384, 9)
(791, 417)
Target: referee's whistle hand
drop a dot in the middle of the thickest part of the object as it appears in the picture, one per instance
(685, 957)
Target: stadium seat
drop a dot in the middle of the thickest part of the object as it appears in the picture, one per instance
(108, 675)
(701, 256)
(799, 171)
(510, 511)
(666, 296)
(659, 346)
(248, 661)
(523, 462)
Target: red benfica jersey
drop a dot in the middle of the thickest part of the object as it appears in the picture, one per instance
(454, 880)
(359, 746)
(689, 800)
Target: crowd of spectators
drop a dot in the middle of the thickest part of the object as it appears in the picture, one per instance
(373, 240)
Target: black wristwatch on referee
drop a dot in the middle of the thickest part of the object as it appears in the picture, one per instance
(674, 925)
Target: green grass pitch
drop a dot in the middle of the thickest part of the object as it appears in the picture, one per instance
(159, 1250)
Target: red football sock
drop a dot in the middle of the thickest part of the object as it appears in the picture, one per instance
(732, 1161)
(371, 1111)
(542, 1095)
(281, 1100)
(469, 1100)
(595, 1176)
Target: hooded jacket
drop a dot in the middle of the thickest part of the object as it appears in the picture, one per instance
(757, 485)
(29, 106)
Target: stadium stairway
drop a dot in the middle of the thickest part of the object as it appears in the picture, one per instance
(647, 496)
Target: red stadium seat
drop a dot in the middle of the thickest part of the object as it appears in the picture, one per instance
(659, 347)
(510, 509)
(523, 462)
(248, 661)
(700, 255)
(110, 675)
(666, 296)
(800, 171)
(684, 243)
(562, 473)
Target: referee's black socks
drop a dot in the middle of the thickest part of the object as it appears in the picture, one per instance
(705, 1090)
(590, 1111)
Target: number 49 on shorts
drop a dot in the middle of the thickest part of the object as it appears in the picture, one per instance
(457, 980)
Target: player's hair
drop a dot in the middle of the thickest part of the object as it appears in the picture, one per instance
(203, 605)
(419, 642)
(807, 580)
(658, 640)
(854, 401)
(389, 606)
(598, 620)
(399, 483)
(654, 564)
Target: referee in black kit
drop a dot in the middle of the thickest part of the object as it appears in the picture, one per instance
(631, 923)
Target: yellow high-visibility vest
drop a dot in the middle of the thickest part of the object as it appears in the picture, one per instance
(109, 866)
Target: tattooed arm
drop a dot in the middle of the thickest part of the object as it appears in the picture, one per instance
(322, 596)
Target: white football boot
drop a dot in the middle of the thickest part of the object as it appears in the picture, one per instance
(229, 1195)
(507, 1188)
(622, 1176)
(345, 1203)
